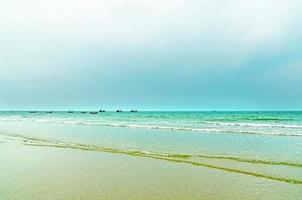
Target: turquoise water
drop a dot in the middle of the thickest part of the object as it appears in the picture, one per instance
(258, 134)
(261, 123)
(260, 144)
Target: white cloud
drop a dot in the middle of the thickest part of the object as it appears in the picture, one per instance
(252, 22)
(230, 31)
(262, 21)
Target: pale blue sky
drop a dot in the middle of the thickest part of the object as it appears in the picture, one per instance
(151, 55)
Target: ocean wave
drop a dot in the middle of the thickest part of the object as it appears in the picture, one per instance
(253, 118)
(15, 116)
(175, 128)
(252, 124)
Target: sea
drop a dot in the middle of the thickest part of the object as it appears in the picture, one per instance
(151, 155)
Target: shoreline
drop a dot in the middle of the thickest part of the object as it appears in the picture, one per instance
(119, 176)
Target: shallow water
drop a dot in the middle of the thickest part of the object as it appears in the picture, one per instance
(259, 149)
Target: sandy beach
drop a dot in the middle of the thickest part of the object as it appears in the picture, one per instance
(33, 173)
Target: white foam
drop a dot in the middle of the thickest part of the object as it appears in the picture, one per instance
(252, 124)
(175, 128)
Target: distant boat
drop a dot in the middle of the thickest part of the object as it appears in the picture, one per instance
(70, 112)
(49, 112)
(133, 110)
(119, 111)
(93, 113)
(32, 111)
(83, 112)
(102, 111)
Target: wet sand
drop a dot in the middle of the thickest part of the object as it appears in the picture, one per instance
(43, 172)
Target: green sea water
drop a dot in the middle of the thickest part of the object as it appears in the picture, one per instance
(262, 150)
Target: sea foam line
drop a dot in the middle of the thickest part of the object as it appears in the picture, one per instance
(218, 157)
(177, 158)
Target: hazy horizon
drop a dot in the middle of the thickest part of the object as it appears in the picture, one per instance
(128, 110)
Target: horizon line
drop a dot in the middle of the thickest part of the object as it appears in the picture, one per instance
(81, 110)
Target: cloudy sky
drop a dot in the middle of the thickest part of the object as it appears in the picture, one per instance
(151, 55)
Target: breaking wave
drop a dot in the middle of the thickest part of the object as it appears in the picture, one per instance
(220, 127)
(252, 124)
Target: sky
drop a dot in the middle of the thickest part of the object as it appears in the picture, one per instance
(151, 55)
